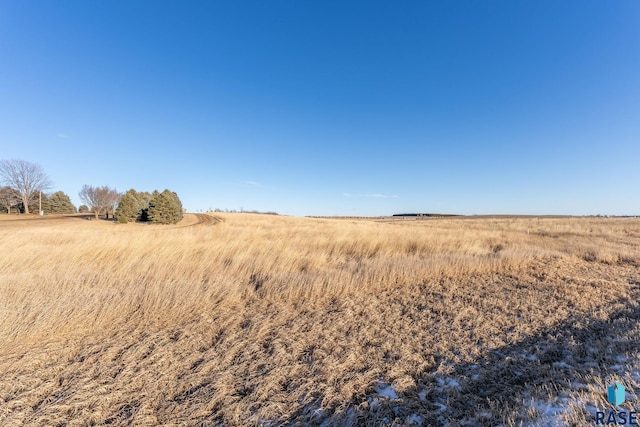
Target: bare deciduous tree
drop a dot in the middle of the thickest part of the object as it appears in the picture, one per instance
(27, 179)
(8, 198)
(100, 199)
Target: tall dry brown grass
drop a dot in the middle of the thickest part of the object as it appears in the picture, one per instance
(265, 319)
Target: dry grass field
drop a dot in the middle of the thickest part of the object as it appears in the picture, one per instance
(248, 320)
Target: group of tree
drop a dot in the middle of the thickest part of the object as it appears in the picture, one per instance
(56, 203)
(156, 207)
(25, 186)
(132, 206)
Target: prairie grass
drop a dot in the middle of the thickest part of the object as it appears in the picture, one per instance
(268, 320)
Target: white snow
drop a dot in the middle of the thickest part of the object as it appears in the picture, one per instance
(385, 390)
(448, 382)
(351, 416)
(441, 408)
(443, 421)
(373, 403)
(562, 365)
(414, 419)
(550, 412)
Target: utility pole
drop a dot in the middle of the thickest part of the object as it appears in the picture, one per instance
(40, 204)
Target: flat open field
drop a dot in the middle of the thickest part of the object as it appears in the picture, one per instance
(264, 320)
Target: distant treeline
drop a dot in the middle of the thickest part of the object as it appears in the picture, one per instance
(50, 203)
(244, 211)
(23, 188)
(425, 214)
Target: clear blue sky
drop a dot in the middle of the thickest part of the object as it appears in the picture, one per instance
(325, 108)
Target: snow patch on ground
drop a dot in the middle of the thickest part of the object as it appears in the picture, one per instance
(414, 419)
(448, 383)
(385, 391)
(551, 412)
(373, 403)
(571, 402)
(562, 365)
(441, 408)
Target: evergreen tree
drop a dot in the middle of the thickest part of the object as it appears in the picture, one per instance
(160, 208)
(145, 199)
(34, 204)
(177, 206)
(165, 208)
(58, 203)
(131, 206)
(83, 209)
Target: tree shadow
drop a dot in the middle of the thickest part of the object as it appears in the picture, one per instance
(496, 388)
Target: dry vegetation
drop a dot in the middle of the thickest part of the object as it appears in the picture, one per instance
(265, 320)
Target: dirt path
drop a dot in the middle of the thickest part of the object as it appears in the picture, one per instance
(189, 220)
(205, 219)
(193, 219)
